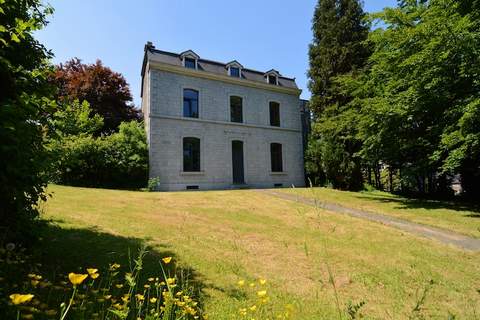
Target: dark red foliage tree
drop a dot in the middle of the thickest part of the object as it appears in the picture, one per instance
(107, 91)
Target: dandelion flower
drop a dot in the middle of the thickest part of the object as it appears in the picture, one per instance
(241, 283)
(18, 298)
(167, 260)
(76, 278)
(262, 293)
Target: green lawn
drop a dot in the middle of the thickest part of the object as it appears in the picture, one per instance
(220, 237)
(447, 215)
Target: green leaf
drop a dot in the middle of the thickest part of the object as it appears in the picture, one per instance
(3, 29)
(14, 37)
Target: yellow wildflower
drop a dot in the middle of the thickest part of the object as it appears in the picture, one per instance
(119, 285)
(92, 271)
(140, 297)
(146, 286)
(76, 278)
(151, 279)
(153, 300)
(253, 308)
(125, 298)
(107, 297)
(241, 283)
(262, 281)
(34, 282)
(170, 280)
(94, 275)
(18, 298)
(262, 293)
(167, 260)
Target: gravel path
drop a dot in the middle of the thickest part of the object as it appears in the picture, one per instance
(444, 236)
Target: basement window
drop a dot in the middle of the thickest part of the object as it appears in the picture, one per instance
(192, 187)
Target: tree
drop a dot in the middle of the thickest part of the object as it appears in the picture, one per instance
(106, 91)
(422, 92)
(25, 103)
(338, 48)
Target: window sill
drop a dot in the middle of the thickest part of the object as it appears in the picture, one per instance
(278, 173)
(192, 173)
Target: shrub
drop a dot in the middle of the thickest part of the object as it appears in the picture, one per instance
(119, 160)
(153, 184)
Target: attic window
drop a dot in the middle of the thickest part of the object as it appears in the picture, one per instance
(272, 79)
(235, 72)
(190, 63)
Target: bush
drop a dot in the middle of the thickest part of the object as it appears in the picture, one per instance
(119, 160)
(153, 184)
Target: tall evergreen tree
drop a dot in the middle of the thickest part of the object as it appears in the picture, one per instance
(338, 48)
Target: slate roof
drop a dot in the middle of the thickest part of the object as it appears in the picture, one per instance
(210, 66)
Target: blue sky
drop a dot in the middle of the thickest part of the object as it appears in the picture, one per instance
(261, 34)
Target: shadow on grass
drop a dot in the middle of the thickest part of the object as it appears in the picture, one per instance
(412, 203)
(64, 250)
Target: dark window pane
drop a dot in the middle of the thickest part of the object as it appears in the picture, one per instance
(276, 157)
(274, 114)
(190, 103)
(236, 109)
(191, 154)
(235, 72)
(190, 63)
(272, 79)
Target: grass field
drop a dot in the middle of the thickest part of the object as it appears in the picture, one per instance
(447, 215)
(313, 260)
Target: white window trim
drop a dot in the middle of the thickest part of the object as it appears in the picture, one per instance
(190, 57)
(239, 72)
(272, 75)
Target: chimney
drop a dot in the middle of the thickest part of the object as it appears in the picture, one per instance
(149, 46)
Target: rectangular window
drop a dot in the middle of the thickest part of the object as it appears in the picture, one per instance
(274, 114)
(190, 103)
(190, 63)
(191, 154)
(236, 109)
(234, 72)
(272, 79)
(276, 157)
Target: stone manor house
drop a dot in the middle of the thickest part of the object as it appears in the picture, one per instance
(213, 125)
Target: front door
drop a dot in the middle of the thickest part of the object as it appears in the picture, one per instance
(237, 162)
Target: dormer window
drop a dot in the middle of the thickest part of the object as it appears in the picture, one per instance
(189, 59)
(234, 72)
(190, 63)
(272, 77)
(234, 69)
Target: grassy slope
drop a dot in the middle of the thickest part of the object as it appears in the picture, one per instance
(446, 215)
(222, 236)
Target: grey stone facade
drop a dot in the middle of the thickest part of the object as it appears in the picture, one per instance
(162, 105)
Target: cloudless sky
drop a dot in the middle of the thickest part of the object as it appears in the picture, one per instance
(260, 34)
